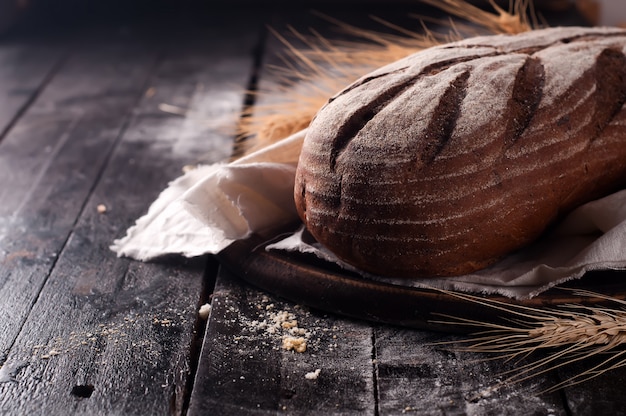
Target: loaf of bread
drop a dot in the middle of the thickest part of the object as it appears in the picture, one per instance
(445, 161)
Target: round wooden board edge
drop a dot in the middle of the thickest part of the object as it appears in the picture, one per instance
(316, 284)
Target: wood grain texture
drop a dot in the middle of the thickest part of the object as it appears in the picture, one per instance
(443, 380)
(244, 368)
(49, 164)
(25, 68)
(90, 333)
(417, 377)
(599, 395)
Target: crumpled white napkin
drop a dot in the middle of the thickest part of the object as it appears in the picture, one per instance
(208, 208)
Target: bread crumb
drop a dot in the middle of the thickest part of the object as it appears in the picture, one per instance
(162, 322)
(279, 322)
(51, 353)
(313, 375)
(205, 311)
(101, 208)
(294, 344)
(289, 324)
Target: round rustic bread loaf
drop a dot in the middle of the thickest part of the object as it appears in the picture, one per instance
(443, 162)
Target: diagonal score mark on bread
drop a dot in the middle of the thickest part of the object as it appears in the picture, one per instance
(483, 192)
(300, 92)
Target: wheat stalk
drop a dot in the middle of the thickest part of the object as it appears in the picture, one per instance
(310, 75)
(519, 18)
(569, 334)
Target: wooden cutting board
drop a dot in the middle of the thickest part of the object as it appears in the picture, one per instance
(306, 280)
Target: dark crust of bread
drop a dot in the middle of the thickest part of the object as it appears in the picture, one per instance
(443, 162)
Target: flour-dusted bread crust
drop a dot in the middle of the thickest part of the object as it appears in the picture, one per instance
(443, 162)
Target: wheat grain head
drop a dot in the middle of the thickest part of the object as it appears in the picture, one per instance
(571, 333)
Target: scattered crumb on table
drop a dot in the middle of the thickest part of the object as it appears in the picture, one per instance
(294, 344)
(313, 375)
(204, 311)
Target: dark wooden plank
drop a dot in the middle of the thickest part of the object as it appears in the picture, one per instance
(108, 335)
(243, 368)
(416, 376)
(603, 395)
(25, 67)
(246, 369)
(49, 163)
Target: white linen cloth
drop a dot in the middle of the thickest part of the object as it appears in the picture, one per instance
(208, 208)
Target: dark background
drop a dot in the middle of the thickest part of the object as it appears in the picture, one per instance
(29, 15)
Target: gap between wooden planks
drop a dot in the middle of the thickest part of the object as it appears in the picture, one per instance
(86, 332)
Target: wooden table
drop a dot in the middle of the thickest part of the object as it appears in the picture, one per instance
(85, 147)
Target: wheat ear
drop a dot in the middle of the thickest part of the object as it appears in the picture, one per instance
(569, 334)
